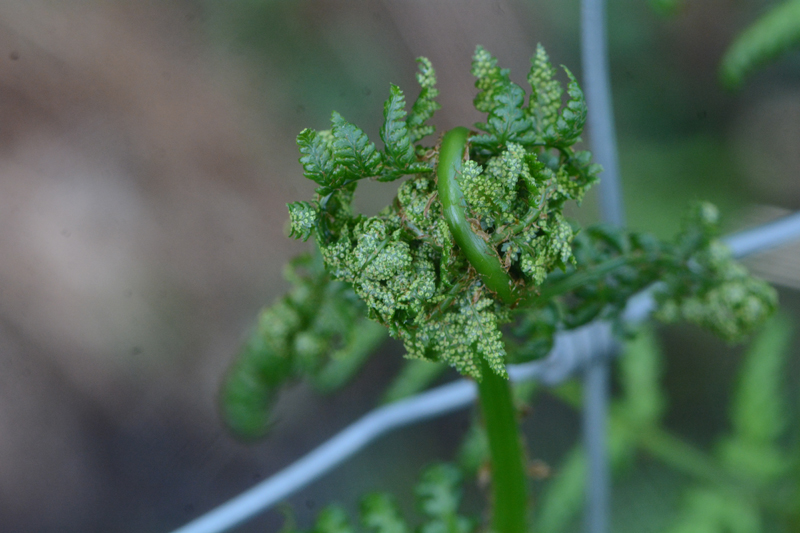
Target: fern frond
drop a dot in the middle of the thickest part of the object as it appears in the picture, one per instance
(353, 150)
(545, 91)
(303, 217)
(503, 100)
(318, 330)
(439, 496)
(759, 414)
(765, 40)
(380, 514)
(360, 342)
(490, 79)
(572, 119)
(317, 158)
(398, 149)
(507, 122)
(425, 104)
(643, 401)
(399, 157)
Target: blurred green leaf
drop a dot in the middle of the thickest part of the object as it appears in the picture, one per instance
(379, 513)
(774, 33)
(759, 413)
(643, 401)
(415, 376)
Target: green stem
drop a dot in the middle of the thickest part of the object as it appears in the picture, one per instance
(479, 254)
(573, 281)
(509, 490)
(583, 277)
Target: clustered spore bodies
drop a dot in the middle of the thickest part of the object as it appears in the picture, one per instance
(403, 263)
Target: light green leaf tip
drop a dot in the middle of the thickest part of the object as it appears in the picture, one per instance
(765, 40)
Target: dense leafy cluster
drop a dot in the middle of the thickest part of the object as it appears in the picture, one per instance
(715, 292)
(438, 497)
(403, 262)
(694, 279)
(476, 240)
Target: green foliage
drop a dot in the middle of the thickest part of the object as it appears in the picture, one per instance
(509, 121)
(317, 329)
(352, 150)
(643, 401)
(717, 292)
(742, 487)
(438, 497)
(753, 455)
(425, 105)
(667, 7)
(709, 511)
(332, 519)
(399, 152)
(447, 273)
(412, 277)
(759, 413)
(317, 159)
(379, 513)
(545, 91)
(774, 33)
(403, 262)
(570, 123)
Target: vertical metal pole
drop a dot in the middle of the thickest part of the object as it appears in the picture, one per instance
(595, 412)
(597, 88)
(604, 146)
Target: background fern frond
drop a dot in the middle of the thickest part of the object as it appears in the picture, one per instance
(762, 42)
(353, 150)
(397, 147)
(425, 104)
(759, 413)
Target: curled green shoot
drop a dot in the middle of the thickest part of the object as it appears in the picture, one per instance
(479, 254)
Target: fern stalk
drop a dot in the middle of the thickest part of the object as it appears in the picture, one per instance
(509, 491)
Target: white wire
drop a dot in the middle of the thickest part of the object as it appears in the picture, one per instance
(568, 354)
(572, 350)
(762, 238)
(420, 407)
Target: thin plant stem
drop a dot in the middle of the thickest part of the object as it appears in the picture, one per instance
(509, 488)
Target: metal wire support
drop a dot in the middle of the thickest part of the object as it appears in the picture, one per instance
(572, 351)
(597, 86)
(764, 237)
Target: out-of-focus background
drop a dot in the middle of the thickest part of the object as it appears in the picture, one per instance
(146, 156)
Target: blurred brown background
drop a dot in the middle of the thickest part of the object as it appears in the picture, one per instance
(147, 154)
